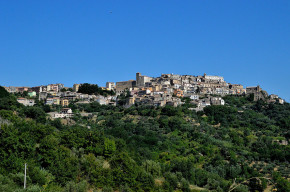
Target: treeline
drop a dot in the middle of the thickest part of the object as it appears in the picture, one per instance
(145, 148)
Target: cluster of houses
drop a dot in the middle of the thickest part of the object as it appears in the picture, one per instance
(57, 94)
(168, 89)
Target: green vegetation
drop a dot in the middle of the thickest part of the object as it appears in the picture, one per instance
(93, 89)
(146, 148)
(64, 89)
(3, 92)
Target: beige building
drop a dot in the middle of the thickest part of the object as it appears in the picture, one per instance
(22, 89)
(53, 101)
(53, 87)
(64, 102)
(110, 85)
(258, 93)
(76, 87)
(141, 80)
(123, 85)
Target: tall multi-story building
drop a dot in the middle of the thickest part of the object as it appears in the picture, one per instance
(76, 87)
(110, 85)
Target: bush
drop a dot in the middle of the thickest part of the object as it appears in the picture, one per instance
(76, 187)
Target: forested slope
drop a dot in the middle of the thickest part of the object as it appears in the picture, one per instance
(144, 148)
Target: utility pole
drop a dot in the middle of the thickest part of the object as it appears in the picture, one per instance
(25, 176)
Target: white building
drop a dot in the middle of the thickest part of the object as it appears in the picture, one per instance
(65, 113)
(26, 102)
(217, 101)
(194, 97)
(213, 78)
(110, 85)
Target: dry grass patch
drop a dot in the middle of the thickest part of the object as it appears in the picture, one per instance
(106, 165)
(159, 181)
(196, 188)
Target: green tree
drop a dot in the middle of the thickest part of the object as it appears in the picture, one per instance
(3, 92)
(125, 169)
(110, 147)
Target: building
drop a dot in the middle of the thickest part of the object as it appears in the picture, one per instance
(32, 94)
(76, 87)
(110, 85)
(69, 95)
(64, 102)
(60, 86)
(26, 102)
(123, 85)
(53, 87)
(178, 92)
(257, 92)
(102, 100)
(37, 89)
(42, 95)
(141, 80)
(272, 96)
(281, 101)
(217, 101)
(65, 113)
(21, 89)
(213, 78)
(202, 104)
(11, 89)
(193, 96)
(53, 101)
(143, 92)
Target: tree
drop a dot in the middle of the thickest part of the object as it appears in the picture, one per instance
(63, 90)
(3, 92)
(125, 169)
(88, 88)
(93, 89)
(281, 184)
(36, 113)
(152, 167)
(110, 147)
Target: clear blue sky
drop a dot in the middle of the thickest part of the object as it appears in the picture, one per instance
(73, 41)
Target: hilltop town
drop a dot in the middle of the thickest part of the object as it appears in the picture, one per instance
(168, 89)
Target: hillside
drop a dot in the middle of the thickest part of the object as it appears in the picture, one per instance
(240, 146)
